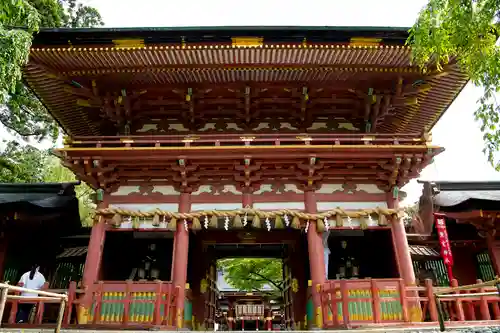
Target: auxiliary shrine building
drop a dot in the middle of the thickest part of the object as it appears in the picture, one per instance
(223, 142)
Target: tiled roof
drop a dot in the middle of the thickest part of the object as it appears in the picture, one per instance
(52, 66)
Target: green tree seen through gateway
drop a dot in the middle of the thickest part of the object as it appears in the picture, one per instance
(253, 274)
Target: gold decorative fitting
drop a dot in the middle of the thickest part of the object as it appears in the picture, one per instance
(304, 138)
(138, 45)
(247, 138)
(190, 138)
(247, 41)
(365, 42)
(128, 44)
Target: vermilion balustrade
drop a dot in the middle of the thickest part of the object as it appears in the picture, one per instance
(347, 303)
(119, 304)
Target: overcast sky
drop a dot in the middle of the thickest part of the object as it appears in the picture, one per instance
(456, 131)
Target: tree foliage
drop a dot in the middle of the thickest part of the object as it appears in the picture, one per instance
(27, 164)
(253, 274)
(22, 164)
(465, 31)
(20, 111)
(56, 173)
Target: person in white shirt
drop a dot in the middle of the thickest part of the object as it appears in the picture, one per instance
(31, 280)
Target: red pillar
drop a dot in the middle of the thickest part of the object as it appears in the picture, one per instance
(403, 256)
(494, 252)
(316, 256)
(180, 258)
(247, 200)
(94, 252)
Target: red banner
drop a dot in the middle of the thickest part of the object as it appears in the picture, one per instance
(444, 242)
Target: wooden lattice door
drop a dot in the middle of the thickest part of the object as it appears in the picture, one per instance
(211, 297)
(288, 313)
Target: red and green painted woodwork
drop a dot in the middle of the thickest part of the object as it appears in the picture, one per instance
(141, 309)
(309, 317)
(188, 308)
(360, 306)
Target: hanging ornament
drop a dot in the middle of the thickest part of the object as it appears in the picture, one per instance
(339, 221)
(327, 223)
(117, 220)
(185, 225)
(226, 223)
(287, 220)
(156, 220)
(370, 220)
(195, 224)
(205, 222)
(278, 222)
(268, 224)
(307, 226)
(136, 222)
(237, 223)
(245, 220)
(172, 225)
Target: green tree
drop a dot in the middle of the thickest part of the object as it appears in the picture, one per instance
(22, 164)
(253, 274)
(27, 164)
(20, 111)
(465, 31)
(54, 172)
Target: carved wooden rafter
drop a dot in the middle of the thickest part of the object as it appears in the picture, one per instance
(184, 178)
(303, 171)
(120, 106)
(247, 172)
(379, 104)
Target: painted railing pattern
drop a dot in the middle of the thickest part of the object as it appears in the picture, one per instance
(347, 303)
(133, 303)
(352, 302)
(120, 304)
(469, 308)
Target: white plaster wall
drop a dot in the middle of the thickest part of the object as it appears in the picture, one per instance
(169, 207)
(355, 223)
(216, 206)
(125, 190)
(279, 205)
(333, 188)
(350, 205)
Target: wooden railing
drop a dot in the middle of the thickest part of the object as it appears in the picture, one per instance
(244, 139)
(348, 303)
(109, 304)
(132, 303)
(354, 302)
(11, 294)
